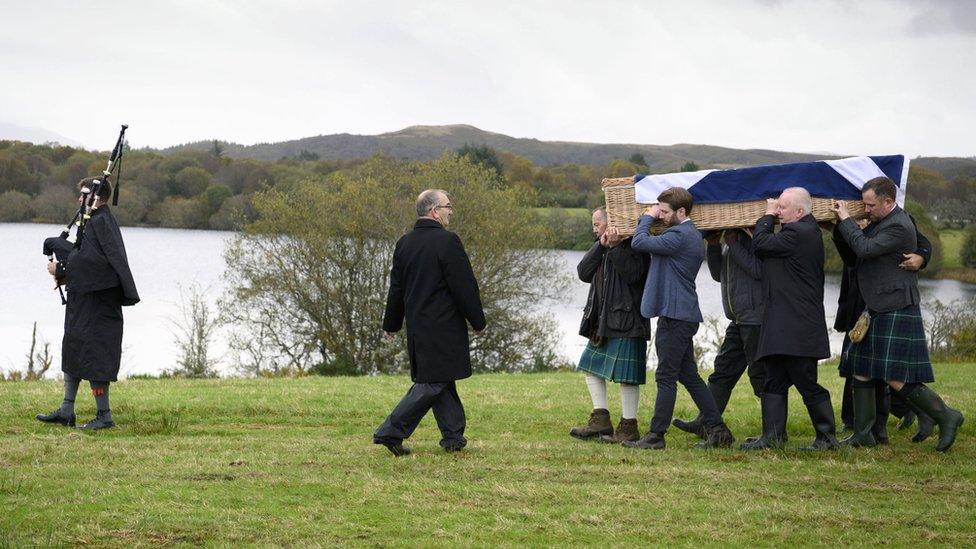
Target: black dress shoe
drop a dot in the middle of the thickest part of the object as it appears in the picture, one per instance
(57, 417)
(650, 441)
(100, 422)
(397, 448)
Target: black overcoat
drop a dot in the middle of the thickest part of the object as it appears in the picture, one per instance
(433, 287)
(793, 321)
(99, 283)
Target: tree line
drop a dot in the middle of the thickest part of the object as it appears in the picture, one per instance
(205, 189)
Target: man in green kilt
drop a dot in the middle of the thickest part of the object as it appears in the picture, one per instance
(617, 333)
(894, 349)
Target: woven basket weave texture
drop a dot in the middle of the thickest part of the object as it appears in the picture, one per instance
(623, 210)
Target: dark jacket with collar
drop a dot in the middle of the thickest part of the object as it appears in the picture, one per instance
(793, 320)
(100, 262)
(739, 272)
(883, 285)
(676, 258)
(616, 277)
(433, 287)
(850, 304)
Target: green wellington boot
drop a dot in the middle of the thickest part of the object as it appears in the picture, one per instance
(865, 412)
(949, 420)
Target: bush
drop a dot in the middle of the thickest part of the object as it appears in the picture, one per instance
(569, 230)
(55, 204)
(179, 212)
(193, 334)
(951, 330)
(234, 213)
(15, 206)
(134, 202)
(308, 279)
(191, 181)
(967, 255)
(927, 227)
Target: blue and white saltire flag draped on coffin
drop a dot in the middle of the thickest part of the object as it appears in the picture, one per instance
(838, 179)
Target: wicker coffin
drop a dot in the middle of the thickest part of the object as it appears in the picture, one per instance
(623, 209)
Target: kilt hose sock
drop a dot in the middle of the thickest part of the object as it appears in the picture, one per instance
(71, 384)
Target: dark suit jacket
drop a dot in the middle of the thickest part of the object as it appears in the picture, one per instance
(850, 305)
(793, 321)
(433, 286)
(883, 285)
(676, 258)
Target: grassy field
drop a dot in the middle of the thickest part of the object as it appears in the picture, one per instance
(290, 461)
(951, 247)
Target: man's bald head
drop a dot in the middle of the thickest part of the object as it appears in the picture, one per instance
(793, 204)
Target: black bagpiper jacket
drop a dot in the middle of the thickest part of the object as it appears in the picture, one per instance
(616, 277)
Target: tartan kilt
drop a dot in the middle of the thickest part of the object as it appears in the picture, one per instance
(894, 349)
(620, 359)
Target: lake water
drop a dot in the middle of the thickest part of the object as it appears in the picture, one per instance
(165, 262)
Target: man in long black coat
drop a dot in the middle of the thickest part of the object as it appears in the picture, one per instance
(794, 332)
(433, 286)
(99, 284)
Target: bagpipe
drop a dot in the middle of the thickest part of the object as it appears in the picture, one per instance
(59, 247)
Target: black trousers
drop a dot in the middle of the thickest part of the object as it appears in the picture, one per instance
(442, 398)
(782, 371)
(737, 355)
(676, 363)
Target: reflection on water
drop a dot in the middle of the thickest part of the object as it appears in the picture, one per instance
(164, 260)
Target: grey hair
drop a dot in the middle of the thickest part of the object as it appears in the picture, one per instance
(801, 199)
(428, 200)
(602, 210)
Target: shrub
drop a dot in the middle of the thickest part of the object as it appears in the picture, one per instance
(308, 279)
(15, 206)
(968, 252)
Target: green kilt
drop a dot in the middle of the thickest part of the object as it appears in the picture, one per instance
(622, 360)
(894, 348)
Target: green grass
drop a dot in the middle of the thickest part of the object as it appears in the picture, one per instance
(290, 461)
(952, 247)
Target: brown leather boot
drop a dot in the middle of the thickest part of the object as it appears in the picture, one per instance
(599, 424)
(626, 431)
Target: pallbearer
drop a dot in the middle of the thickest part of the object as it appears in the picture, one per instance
(894, 349)
(793, 336)
(617, 333)
(671, 296)
(99, 283)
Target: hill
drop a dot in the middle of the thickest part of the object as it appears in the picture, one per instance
(429, 142)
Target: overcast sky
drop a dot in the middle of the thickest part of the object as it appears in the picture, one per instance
(812, 76)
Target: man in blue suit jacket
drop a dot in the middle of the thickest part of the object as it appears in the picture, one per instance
(670, 295)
